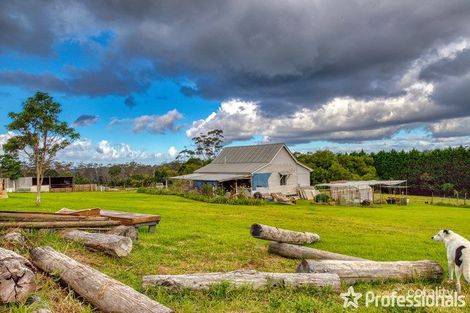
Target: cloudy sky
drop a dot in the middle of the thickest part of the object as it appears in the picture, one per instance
(138, 79)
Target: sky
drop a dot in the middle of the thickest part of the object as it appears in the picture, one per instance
(139, 79)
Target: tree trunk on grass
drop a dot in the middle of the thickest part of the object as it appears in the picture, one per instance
(266, 232)
(253, 279)
(126, 231)
(102, 291)
(298, 252)
(354, 271)
(115, 245)
(16, 277)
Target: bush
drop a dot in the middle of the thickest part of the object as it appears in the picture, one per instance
(323, 198)
(200, 197)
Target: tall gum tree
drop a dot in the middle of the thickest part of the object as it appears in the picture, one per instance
(39, 134)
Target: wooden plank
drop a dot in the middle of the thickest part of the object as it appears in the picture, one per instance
(126, 218)
(40, 217)
(84, 212)
(55, 224)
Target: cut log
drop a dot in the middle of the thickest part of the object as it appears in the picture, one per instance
(54, 224)
(16, 277)
(13, 238)
(126, 231)
(266, 232)
(354, 271)
(102, 291)
(298, 252)
(115, 245)
(250, 278)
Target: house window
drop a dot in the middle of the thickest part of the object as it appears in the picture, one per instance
(283, 180)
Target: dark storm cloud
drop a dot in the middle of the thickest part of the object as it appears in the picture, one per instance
(286, 55)
(130, 102)
(108, 80)
(452, 79)
(85, 120)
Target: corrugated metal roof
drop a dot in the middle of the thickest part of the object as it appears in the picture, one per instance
(212, 177)
(248, 154)
(244, 159)
(244, 168)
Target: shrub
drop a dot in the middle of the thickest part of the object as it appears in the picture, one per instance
(323, 198)
(194, 195)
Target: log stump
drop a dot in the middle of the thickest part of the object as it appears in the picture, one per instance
(16, 277)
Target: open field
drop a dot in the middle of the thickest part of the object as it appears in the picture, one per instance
(197, 236)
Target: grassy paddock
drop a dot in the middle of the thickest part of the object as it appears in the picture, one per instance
(196, 236)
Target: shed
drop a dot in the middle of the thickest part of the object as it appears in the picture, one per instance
(266, 168)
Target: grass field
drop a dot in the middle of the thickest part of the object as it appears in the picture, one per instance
(197, 236)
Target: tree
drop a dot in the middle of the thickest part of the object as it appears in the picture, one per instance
(10, 166)
(39, 134)
(208, 145)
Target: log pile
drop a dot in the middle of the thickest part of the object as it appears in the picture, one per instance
(102, 291)
(52, 220)
(250, 278)
(350, 269)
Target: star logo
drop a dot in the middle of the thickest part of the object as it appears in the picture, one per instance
(351, 298)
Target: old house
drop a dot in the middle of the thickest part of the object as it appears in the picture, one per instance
(267, 168)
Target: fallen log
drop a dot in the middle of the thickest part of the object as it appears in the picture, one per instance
(126, 231)
(250, 278)
(266, 232)
(354, 271)
(102, 291)
(54, 224)
(13, 238)
(298, 252)
(115, 245)
(16, 277)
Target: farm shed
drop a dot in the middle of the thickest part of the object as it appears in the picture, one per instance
(355, 192)
(29, 184)
(268, 168)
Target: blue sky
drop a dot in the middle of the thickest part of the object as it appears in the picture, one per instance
(138, 81)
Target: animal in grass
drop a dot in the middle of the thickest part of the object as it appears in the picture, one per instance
(458, 255)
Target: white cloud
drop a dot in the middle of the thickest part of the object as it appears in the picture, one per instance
(451, 127)
(84, 150)
(172, 151)
(156, 124)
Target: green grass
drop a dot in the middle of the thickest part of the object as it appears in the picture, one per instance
(197, 237)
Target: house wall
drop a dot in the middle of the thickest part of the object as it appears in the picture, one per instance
(283, 162)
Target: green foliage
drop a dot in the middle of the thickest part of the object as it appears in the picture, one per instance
(114, 170)
(10, 166)
(39, 134)
(202, 197)
(207, 146)
(427, 171)
(323, 198)
(328, 166)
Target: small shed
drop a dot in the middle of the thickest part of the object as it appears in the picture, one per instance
(355, 192)
(267, 168)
